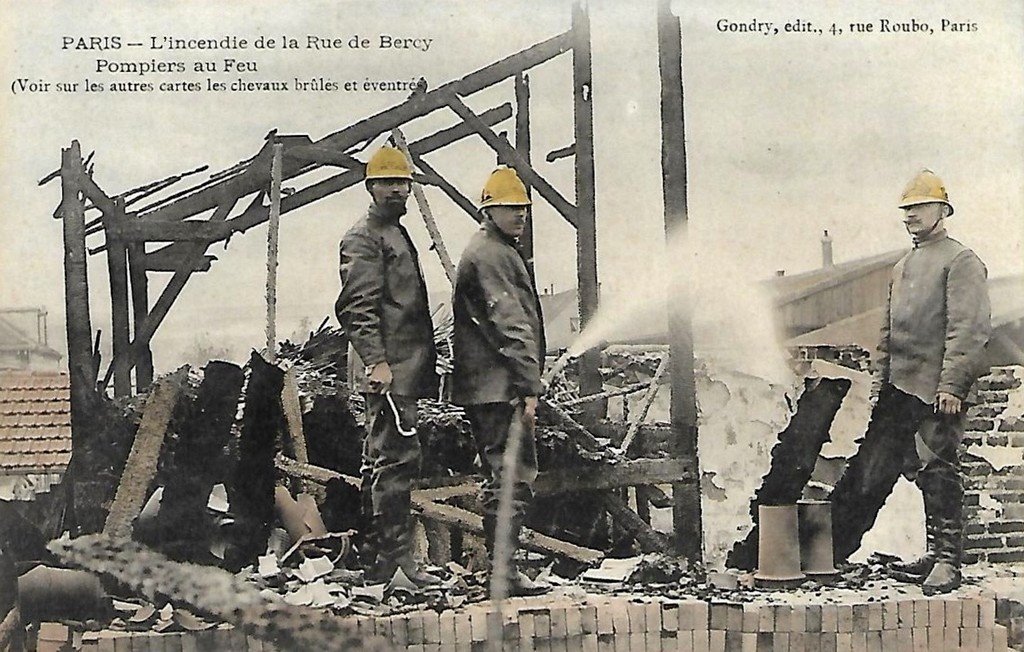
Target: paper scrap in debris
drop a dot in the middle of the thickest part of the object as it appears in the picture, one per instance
(190, 621)
(374, 592)
(317, 594)
(218, 500)
(612, 570)
(268, 566)
(143, 614)
(312, 568)
(400, 582)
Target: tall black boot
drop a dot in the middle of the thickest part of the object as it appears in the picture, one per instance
(945, 576)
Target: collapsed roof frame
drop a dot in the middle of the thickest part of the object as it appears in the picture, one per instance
(166, 220)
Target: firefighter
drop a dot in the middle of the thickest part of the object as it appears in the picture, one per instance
(931, 352)
(499, 358)
(384, 312)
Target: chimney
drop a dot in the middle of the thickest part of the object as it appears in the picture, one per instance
(826, 250)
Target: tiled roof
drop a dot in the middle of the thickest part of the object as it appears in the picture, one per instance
(35, 422)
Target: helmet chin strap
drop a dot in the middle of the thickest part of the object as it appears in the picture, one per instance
(921, 237)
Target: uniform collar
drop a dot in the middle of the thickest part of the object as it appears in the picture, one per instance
(932, 238)
(377, 213)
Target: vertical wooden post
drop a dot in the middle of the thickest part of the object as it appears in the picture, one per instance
(275, 221)
(586, 227)
(81, 365)
(117, 269)
(686, 512)
(140, 308)
(523, 147)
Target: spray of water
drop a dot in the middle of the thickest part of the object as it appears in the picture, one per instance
(731, 315)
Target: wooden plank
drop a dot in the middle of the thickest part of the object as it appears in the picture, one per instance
(508, 154)
(186, 231)
(650, 540)
(427, 214)
(586, 217)
(96, 195)
(686, 513)
(435, 179)
(293, 415)
(623, 474)
(273, 233)
(416, 106)
(257, 214)
(81, 364)
(582, 436)
(117, 271)
(522, 87)
(171, 257)
(467, 520)
(140, 308)
(140, 468)
(311, 472)
(645, 404)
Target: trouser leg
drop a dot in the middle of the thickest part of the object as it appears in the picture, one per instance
(941, 483)
(491, 423)
(873, 471)
(393, 462)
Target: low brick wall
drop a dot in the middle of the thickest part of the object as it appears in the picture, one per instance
(994, 469)
(864, 621)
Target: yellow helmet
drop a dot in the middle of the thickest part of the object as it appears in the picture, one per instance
(925, 188)
(503, 188)
(388, 163)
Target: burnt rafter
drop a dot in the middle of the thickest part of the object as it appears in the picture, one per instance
(508, 153)
(414, 107)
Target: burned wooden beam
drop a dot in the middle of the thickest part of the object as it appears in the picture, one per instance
(564, 152)
(414, 107)
(793, 457)
(140, 310)
(508, 153)
(212, 590)
(530, 539)
(117, 271)
(182, 528)
(580, 434)
(623, 474)
(523, 146)
(252, 484)
(140, 469)
(650, 540)
(586, 201)
(170, 258)
(185, 231)
(257, 214)
(96, 195)
(447, 188)
(81, 364)
(323, 156)
(645, 404)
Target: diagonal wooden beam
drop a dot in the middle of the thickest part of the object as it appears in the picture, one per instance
(434, 178)
(508, 153)
(416, 106)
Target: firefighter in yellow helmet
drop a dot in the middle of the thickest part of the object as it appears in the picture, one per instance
(383, 310)
(931, 352)
(499, 359)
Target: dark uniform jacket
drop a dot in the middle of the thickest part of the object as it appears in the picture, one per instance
(383, 306)
(937, 321)
(499, 330)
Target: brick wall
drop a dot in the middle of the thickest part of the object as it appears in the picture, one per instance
(993, 465)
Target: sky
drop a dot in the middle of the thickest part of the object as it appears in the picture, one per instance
(787, 135)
